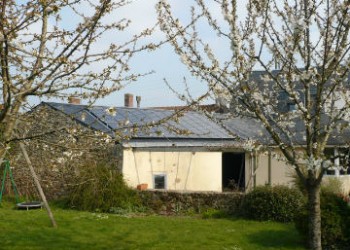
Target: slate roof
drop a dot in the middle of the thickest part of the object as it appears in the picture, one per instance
(202, 132)
(245, 128)
(249, 128)
(199, 129)
(256, 75)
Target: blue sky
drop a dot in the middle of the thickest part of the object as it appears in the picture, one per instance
(164, 62)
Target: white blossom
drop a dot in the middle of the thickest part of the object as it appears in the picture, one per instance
(313, 164)
(111, 111)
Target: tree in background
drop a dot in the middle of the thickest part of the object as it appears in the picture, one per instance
(49, 48)
(309, 43)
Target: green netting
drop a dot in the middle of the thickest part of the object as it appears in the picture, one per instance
(7, 169)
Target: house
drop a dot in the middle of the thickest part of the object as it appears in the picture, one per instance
(163, 149)
(271, 164)
(261, 80)
(172, 150)
(281, 99)
(183, 150)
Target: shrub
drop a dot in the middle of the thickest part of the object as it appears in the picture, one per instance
(212, 213)
(276, 203)
(335, 221)
(100, 188)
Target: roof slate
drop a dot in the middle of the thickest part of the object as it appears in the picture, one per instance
(195, 125)
(249, 128)
(201, 131)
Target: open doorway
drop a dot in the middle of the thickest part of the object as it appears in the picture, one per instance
(233, 171)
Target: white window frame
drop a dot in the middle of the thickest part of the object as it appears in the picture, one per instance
(337, 168)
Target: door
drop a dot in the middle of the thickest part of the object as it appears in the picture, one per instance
(233, 171)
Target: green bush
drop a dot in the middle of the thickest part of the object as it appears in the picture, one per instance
(275, 203)
(212, 213)
(335, 221)
(100, 188)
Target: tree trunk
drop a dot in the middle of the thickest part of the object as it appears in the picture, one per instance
(314, 207)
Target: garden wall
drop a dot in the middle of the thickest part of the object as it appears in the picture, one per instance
(171, 202)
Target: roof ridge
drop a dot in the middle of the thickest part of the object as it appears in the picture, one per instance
(108, 106)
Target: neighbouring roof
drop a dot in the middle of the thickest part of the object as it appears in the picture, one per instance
(190, 129)
(257, 75)
(250, 128)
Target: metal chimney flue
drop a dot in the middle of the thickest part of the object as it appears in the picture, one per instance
(138, 101)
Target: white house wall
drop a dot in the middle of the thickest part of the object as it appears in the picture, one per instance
(262, 171)
(266, 168)
(343, 179)
(184, 170)
(202, 171)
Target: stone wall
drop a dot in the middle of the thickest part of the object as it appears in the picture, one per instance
(62, 151)
(170, 203)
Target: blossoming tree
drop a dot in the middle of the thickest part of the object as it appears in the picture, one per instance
(307, 41)
(52, 48)
(60, 48)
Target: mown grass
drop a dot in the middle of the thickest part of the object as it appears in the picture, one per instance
(84, 230)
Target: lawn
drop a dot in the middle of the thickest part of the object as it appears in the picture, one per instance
(84, 230)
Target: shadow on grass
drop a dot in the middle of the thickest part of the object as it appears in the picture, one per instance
(275, 239)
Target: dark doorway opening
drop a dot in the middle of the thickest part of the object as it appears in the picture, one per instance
(233, 171)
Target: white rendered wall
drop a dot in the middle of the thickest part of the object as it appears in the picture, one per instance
(184, 170)
(260, 170)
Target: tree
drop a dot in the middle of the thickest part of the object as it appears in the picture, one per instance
(49, 48)
(308, 40)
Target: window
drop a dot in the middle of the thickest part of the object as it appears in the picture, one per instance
(159, 181)
(344, 158)
(344, 171)
(291, 106)
(330, 171)
(340, 158)
(285, 103)
(283, 95)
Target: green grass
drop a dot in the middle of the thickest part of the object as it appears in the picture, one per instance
(83, 230)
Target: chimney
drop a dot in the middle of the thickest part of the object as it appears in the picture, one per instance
(73, 100)
(128, 100)
(138, 100)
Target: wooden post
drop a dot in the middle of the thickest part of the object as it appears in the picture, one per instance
(37, 183)
(269, 167)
